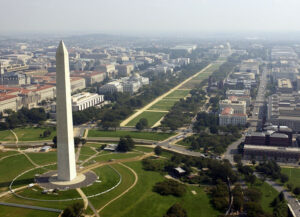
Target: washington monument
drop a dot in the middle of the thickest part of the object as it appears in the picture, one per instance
(66, 164)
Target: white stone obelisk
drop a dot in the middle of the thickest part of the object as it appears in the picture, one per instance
(66, 164)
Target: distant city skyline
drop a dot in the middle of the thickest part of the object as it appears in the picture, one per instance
(141, 16)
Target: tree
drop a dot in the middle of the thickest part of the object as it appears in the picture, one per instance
(237, 158)
(290, 186)
(46, 133)
(83, 141)
(74, 210)
(238, 198)
(253, 194)
(284, 178)
(125, 144)
(76, 141)
(142, 124)
(176, 211)
(170, 187)
(296, 190)
(158, 150)
(250, 178)
(54, 140)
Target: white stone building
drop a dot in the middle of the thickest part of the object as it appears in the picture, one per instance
(127, 84)
(239, 107)
(9, 102)
(228, 117)
(85, 100)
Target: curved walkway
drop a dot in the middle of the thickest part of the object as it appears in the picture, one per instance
(140, 111)
(124, 192)
(22, 152)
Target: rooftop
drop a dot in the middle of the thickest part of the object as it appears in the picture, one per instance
(272, 148)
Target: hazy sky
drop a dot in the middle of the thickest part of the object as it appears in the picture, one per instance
(123, 16)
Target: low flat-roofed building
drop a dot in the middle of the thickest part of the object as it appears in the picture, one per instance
(90, 77)
(109, 69)
(227, 117)
(125, 70)
(239, 107)
(111, 147)
(9, 102)
(284, 109)
(77, 83)
(85, 100)
(111, 87)
(238, 93)
(280, 154)
(284, 85)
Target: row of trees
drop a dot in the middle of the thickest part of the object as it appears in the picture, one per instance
(23, 117)
(182, 111)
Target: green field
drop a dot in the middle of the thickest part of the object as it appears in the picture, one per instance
(164, 104)
(143, 149)
(294, 175)
(142, 201)
(10, 168)
(108, 177)
(204, 75)
(178, 94)
(7, 153)
(6, 135)
(152, 118)
(113, 156)
(43, 158)
(33, 133)
(268, 195)
(6, 211)
(133, 134)
(85, 150)
(127, 181)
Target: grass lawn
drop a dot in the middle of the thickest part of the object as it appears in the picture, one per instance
(268, 195)
(144, 149)
(7, 153)
(85, 150)
(164, 104)
(108, 177)
(43, 158)
(10, 168)
(294, 175)
(178, 94)
(152, 118)
(203, 76)
(37, 194)
(142, 201)
(8, 211)
(133, 134)
(33, 133)
(115, 156)
(127, 181)
(6, 135)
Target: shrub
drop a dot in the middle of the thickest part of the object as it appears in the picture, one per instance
(170, 187)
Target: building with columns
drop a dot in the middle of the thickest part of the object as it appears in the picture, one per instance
(85, 100)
